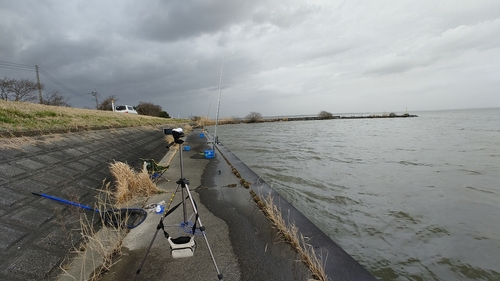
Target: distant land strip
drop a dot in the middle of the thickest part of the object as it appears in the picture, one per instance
(309, 118)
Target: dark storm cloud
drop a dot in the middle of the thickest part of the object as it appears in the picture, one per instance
(174, 20)
(280, 57)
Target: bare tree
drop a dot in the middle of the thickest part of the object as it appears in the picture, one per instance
(4, 88)
(19, 90)
(147, 108)
(253, 117)
(106, 104)
(55, 98)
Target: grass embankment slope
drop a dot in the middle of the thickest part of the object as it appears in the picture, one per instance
(29, 119)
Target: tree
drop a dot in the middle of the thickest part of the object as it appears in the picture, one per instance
(55, 98)
(253, 117)
(325, 115)
(106, 104)
(18, 90)
(147, 108)
(4, 88)
(163, 114)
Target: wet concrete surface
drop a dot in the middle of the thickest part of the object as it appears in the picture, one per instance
(262, 253)
(159, 263)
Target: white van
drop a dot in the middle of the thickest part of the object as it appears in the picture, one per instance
(125, 109)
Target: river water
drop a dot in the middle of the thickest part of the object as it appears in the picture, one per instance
(409, 198)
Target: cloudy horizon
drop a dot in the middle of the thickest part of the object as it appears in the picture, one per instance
(279, 58)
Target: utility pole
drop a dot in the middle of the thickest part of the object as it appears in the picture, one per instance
(39, 86)
(95, 94)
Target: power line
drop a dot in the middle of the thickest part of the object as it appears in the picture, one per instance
(16, 66)
(59, 83)
(26, 67)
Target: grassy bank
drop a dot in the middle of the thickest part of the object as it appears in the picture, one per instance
(25, 119)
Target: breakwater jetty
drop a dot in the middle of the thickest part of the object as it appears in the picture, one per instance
(315, 118)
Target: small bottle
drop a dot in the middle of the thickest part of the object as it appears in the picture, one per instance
(159, 209)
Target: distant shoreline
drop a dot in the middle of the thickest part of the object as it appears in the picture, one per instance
(207, 122)
(305, 118)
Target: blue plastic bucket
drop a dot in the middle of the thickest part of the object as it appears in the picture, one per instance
(187, 148)
(202, 135)
(209, 154)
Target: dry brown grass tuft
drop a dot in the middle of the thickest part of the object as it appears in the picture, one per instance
(290, 233)
(17, 143)
(101, 247)
(130, 184)
(101, 241)
(204, 121)
(20, 143)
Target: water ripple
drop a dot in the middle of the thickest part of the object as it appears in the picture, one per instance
(410, 199)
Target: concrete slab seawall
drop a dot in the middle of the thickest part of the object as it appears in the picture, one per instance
(37, 234)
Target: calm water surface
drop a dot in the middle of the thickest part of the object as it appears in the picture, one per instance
(409, 198)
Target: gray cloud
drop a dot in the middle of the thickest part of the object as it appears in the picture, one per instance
(280, 57)
(173, 20)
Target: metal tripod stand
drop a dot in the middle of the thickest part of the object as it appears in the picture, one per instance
(183, 184)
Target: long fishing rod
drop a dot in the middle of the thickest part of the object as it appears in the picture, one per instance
(129, 217)
(209, 107)
(218, 103)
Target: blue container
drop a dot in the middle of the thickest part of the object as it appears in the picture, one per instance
(209, 154)
(159, 209)
(187, 148)
(202, 135)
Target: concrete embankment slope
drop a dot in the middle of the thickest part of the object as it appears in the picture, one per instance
(37, 234)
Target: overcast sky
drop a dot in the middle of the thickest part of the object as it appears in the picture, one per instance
(279, 57)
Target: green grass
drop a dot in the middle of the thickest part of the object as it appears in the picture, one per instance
(23, 118)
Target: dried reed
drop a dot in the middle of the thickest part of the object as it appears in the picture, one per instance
(130, 184)
(101, 241)
(205, 121)
(290, 233)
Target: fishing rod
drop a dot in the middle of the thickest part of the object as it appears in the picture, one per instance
(218, 102)
(129, 217)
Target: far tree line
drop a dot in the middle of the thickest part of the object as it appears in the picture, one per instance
(254, 117)
(25, 90)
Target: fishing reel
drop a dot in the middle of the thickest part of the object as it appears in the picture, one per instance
(177, 133)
